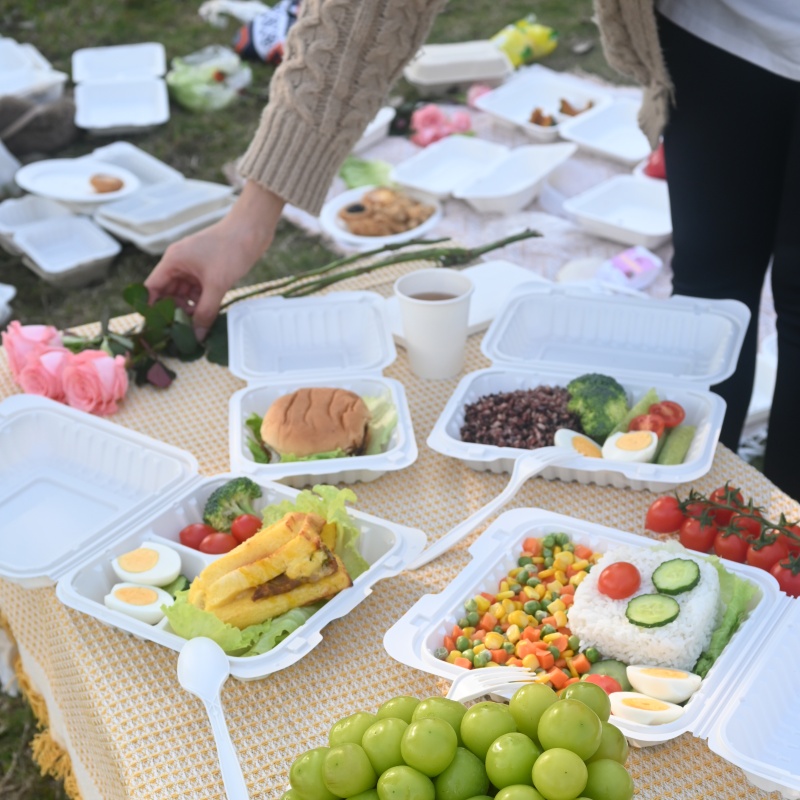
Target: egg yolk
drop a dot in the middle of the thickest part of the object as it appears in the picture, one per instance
(633, 441)
(586, 448)
(139, 560)
(660, 672)
(645, 703)
(136, 595)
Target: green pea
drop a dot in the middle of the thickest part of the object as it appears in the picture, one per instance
(562, 538)
(463, 622)
(509, 648)
(482, 658)
(533, 581)
(515, 587)
(523, 576)
(569, 547)
(499, 629)
(554, 651)
(523, 561)
(473, 618)
(462, 643)
(471, 605)
(531, 607)
(441, 653)
(469, 653)
(547, 630)
(592, 654)
(549, 540)
(540, 614)
(573, 643)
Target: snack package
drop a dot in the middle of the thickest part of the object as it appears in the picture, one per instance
(525, 41)
(208, 79)
(635, 268)
(262, 38)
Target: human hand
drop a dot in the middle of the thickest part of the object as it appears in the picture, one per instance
(198, 270)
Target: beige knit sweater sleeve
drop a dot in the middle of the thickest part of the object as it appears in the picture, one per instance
(340, 59)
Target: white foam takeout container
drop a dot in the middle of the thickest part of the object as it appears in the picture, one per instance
(26, 73)
(147, 168)
(625, 209)
(539, 87)
(17, 213)
(548, 335)
(117, 489)
(113, 107)
(122, 61)
(341, 340)
(741, 706)
(377, 130)
(437, 68)
(67, 251)
(611, 130)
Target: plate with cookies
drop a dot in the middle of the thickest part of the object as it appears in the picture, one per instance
(77, 180)
(370, 217)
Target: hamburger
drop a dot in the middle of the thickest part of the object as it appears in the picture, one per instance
(317, 421)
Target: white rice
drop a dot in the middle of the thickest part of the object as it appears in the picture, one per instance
(600, 621)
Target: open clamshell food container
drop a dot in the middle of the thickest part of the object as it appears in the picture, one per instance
(747, 710)
(116, 489)
(342, 340)
(546, 336)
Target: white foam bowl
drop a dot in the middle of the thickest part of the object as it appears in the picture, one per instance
(625, 209)
(123, 61)
(539, 87)
(611, 130)
(16, 213)
(516, 180)
(122, 106)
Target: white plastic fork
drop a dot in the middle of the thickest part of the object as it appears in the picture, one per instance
(478, 682)
(524, 468)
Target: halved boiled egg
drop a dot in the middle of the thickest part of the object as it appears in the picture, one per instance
(152, 564)
(140, 602)
(634, 446)
(577, 441)
(637, 707)
(667, 684)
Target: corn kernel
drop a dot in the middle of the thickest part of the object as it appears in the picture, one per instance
(468, 631)
(513, 634)
(551, 637)
(560, 576)
(529, 591)
(561, 618)
(546, 573)
(509, 606)
(538, 559)
(579, 565)
(554, 587)
(493, 640)
(497, 610)
(503, 586)
(542, 677)
(556, 605)
(479, 648)
(530, 661)
(566, 557)
(571, 668)
(512, 573)
(490, 664)
(452, 656)
(567, 654)
(518, 618)
(576, 580)
(504, 595)
(541, 591)
(482, 603)
(556, 549)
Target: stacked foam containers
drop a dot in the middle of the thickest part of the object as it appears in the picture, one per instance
(26, 73)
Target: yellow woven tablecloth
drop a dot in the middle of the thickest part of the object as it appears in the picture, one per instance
(139, 735)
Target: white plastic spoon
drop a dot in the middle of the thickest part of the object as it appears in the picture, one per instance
(524, 468)
(202, 670)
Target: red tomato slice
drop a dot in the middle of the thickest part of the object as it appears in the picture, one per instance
(648, 422)
(217, 543)
(672, 413)
(619, 580)
(605, 682)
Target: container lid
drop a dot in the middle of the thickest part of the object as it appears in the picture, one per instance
(340, 333)
(683, 340)
(73, 480)
(458, 62)
(144, 60)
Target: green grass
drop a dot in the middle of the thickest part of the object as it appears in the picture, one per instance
(199, 146)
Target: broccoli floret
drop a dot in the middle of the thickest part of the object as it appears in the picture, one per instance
(229, 501)
(599, 401)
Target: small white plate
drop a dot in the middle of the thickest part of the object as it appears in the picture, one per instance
(67, 179)
(494, 281)
(334, 227)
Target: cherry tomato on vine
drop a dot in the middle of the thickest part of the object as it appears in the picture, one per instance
(619, 580)
(788, 575)
(727, 496)
(695, 510)
(648, 422)
(696, 536)
(217, 543)
(793, 545)
(672, 413)
(765, 557)
(731, 547)
(192, 535)
(664, 515)
(747, 526)
(245, 526)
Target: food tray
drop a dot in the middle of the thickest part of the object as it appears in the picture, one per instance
(331, 224)
(67, 251)
(419, 631)
(515, 180)
(611, 130)
(26, 73)
(536, 86)
(162, 206)
(122, 106)
(548, 335)
(625, 209)
(117, 489)
(341, 340)
(147, 168)
(16, 213)
(377, 130)
(123, 61)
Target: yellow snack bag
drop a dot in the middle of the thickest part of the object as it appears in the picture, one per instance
(525, 41)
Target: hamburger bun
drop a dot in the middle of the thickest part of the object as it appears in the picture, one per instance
(316, 420)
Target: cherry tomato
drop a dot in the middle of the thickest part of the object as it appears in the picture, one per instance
(245, 526)
(788, 576)
(619, 580)
(793, 545)
(648, 422)
(192, 535)
(747, 526)
(664, 515)
(728, 496)
(766, 556)
(696, 536)
(217, 543)
(731, 547)
(605, 682)
(696, 510)
(672, 413)
(656, 166)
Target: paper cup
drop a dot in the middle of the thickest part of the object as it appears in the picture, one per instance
(434, 308)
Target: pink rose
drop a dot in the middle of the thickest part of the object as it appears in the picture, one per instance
(94, 381)
(428, 116)
(21, 341)
(43, 373)
(426, 136)
(475, 91)
(461, 122)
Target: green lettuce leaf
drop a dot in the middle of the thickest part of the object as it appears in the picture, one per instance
(288, 458)
(382, 422)
(331, 504)
(357, 172)
(277, 629)
(255, 443)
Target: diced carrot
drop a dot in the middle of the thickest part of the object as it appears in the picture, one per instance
(557, 678)
(457, 632)
(489, 597)
(499, 656)
(463, 662)
(504, 626)
(550, 621)
(564, 631)
(514, 662)
(562, 643)
(540, 645)
(532, 634)
(569, 589)
(546, 659)
(567, 599)
(569, 572)
(525, 649)
(582, 552)
(561, 663)
(571, 681)
(581, 664)
(488, 622)
(449, 644)
(479, 634)
(532, 546)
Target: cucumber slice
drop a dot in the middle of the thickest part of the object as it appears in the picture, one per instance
(676, 576)
(652, 610)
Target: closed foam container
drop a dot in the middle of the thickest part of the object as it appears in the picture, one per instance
(16, 213)
(626, 209)
(745, 708)
(539, 87)
(377, 130)
(113, 107)
(548, 335)
(26, 73)
(146, 167)
(342, 340)
(122, 61)
(115, 490)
